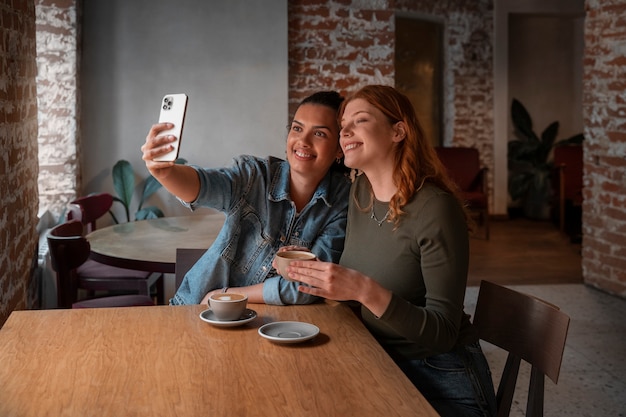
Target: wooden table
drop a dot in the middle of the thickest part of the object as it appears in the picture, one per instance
(165, 361)
(150, 245)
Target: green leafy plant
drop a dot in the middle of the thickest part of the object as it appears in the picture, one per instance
(124, 186)
(530, 162)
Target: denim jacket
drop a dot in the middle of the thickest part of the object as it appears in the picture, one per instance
(261, 218)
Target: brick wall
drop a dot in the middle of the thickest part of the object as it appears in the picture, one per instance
(343, 45)
(604, 107)
(338, 45)
(468, 63)
(57, 83)
(18, 159)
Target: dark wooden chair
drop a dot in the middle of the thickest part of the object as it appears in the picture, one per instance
(88, 210)
(185, 259)
(568, 188)
(69, 251)
(463, 165)
(527, 328)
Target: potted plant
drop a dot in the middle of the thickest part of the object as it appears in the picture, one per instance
(124, 186)
(530, 163)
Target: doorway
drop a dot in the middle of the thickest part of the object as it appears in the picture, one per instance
(419, 72)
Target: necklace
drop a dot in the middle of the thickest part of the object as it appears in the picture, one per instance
(379, 222)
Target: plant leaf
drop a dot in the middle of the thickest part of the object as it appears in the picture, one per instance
(150, 186)
(522, 122)
(150, 212)
(125, 210)
(124, 181)
(523, 151)
(529, 164)
(548, 136)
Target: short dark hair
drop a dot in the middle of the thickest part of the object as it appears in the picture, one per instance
(330, 99)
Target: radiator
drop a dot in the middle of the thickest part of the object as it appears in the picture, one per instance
(45, 275)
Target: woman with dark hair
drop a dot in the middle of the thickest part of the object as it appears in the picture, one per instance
(406, 254)
(269, 203)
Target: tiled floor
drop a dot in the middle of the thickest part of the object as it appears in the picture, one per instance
(592, 382)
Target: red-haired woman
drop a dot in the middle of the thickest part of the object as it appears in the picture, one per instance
(406, 254)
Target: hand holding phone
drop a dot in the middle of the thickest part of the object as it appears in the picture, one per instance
(173, 110)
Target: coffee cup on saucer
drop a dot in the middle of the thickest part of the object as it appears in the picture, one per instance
(228, 305)
(284, 258)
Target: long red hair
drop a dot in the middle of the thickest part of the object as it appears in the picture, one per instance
(415, 159)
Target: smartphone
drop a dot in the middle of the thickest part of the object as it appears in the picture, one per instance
(173, 110)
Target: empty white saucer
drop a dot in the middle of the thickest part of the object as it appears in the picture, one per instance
(247, 316)
(288, 331)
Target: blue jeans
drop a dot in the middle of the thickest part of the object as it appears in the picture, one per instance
(457, 383)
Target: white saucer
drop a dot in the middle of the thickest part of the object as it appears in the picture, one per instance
(288, 331)
(247, 316)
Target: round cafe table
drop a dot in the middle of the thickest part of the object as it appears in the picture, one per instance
(150, 245)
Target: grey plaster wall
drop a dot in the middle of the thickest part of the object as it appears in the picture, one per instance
(229, 57)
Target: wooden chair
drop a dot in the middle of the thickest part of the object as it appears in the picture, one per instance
(88, 210)
(527, 328)
(568, 185)
(463, 165)
(185, 259)
(69, 251)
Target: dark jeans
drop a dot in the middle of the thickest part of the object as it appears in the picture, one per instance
(456, 383)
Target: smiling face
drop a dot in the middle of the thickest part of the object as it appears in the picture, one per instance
(312, 142)
(367, 136)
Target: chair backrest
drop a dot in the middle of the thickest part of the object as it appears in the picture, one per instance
(185, 259)
(68, 250)
(90, 208)
(527, 328)
(570, 159)
(463, 165)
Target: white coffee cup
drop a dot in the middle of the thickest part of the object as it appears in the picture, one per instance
(228, 305)
(284, 258)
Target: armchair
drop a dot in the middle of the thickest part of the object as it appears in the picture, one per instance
(88, 210)
(463, 165)
(69, 252)
(568, 186)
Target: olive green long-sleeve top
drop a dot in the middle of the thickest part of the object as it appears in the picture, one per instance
(424, 262)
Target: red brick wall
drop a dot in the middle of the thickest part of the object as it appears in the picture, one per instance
(18, 160)
(468, 63)
(604, 108)
(335, 45)
(343, 45)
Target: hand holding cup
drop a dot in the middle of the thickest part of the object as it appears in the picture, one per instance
(284, 258)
